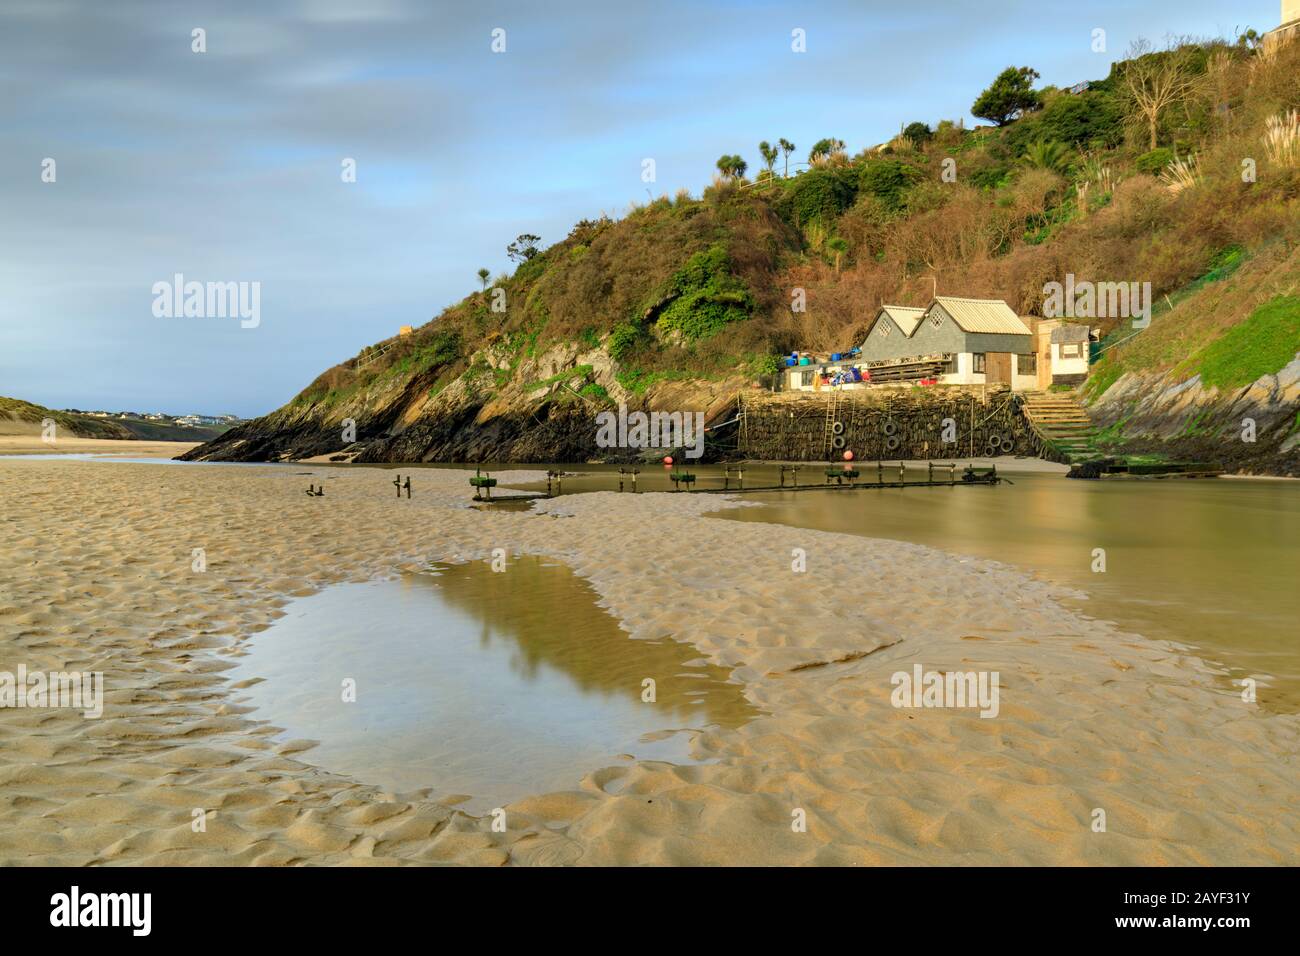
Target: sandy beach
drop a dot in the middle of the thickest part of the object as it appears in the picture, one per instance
(30, 443)
(95, 575)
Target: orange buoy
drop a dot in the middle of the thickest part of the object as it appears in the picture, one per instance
(848, 456)
(668, 459)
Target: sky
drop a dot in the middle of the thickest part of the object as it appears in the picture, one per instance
(227, 165)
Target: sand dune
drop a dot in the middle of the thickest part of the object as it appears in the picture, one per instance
(95, 574)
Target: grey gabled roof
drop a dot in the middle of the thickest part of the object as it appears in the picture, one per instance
(1069, 334)
(982, 315)
(905, 317)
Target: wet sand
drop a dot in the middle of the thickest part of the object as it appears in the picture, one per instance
(95, 574)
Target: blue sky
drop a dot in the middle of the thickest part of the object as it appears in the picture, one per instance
(225, 165)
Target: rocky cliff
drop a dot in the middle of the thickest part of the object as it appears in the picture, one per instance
(1253, 429)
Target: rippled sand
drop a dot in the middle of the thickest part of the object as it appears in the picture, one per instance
(95, 575)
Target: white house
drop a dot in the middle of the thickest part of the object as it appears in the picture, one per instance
(952, 341)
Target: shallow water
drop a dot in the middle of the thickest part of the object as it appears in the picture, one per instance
(491, 685)
(1209, 563)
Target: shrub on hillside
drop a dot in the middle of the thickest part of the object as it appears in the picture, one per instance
(1090, 119)
(888, 180)
(918, 132)
(1156, 161)
(819, 195)
(623, 340)
(705, 296)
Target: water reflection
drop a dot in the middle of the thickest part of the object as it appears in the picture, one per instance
(1212, 564)
(496, 685)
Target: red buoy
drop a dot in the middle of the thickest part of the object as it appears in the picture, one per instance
(668, 459)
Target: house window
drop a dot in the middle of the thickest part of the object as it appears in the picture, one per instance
(936, 320)
(978, 363)
(805, 378)
(1026, 364)
(884, 329)
(1072, 351)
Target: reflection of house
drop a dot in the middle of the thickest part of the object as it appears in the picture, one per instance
(954, 341)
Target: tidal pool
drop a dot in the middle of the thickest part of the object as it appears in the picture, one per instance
(491, 685)
(1208, 563)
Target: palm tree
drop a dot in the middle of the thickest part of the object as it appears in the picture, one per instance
(823, 149)
(839, 247)
(483, 276)
(1049, 155)
(787, 148)
(733, 167)
(769, 154)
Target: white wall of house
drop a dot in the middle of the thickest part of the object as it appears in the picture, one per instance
(1022, 381)
(1070, 365)
(965, 374)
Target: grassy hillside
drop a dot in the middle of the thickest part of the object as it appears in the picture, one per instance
(705, 289)
(29, 417)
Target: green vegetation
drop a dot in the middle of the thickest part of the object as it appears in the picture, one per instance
(1010, 96)
(90, 426)
(1052, 156)
(705, 296)
(733, 167)
(1155, 162)
(696, 288)
(568, 375)
(1268, 340)
(918, 132)
(888, 180)
(818, 196)
(441, 348)
(1102, 376)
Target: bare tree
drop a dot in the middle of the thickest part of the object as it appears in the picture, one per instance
(1156, 80)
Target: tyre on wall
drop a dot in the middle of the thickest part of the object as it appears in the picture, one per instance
(837, 442)
(837, 428)
(892, 443)
(889, 428)
(1007, 444)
